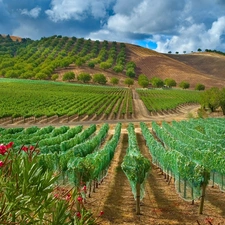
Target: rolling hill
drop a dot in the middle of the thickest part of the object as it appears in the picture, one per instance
(48, 55)
(205, 68)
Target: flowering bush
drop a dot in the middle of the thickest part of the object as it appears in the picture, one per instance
(28, 192)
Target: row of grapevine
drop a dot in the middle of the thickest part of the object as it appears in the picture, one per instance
(157, 100)
(206, 149)
(135, 166)
(49, 99)
(191, 178)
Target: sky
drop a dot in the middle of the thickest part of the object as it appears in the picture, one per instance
(162, 25)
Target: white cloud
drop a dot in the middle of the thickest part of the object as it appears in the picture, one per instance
(78, 10)
(32, 13)
(193, 37)
(149, 16)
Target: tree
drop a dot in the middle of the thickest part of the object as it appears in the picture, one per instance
(68, 76)
(170, 82)
(114, 80)
(169, 52)
(105, 65)
(118, 68)
(130, 72)
(143, 80)
(41, 76)
(222, 100)
(55, 77)
(212, 98)
(99, 78)
(156, 82)
(200, 87)
(91, 64)
(199, 49)
(79, 62)
(184, 85)
(129, 81)
(84, 77)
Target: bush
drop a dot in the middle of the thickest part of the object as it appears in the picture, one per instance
(200, 87)
(69, 76)
(99, 78)
(84, 77)
(184, 85)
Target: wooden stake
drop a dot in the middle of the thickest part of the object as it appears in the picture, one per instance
(138, 192)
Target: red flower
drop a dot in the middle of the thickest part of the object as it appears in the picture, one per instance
(3, 149)
(31, 148)
(101, 213)
(84, 188)
(78, 215)
(1, 164)
(79, 199)
(25, 149)
(9, 145)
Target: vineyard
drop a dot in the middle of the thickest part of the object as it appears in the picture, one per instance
(158, 100)
(117, 171)
(56, 102)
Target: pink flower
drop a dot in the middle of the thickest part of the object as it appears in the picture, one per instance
(3, 149)
(68, 197)
(79, 199)
(1, 164)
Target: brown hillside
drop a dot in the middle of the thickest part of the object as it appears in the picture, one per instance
(207, 62)
(164, 66)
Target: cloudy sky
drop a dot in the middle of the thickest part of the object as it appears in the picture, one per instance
(162, 25)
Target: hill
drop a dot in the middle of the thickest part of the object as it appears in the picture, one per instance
(208, 69)
(55, 55)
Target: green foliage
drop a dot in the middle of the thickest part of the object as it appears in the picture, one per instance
(118, 68)
(84, 77)
(68, 76)
(143, 81)
(170, 82)
(91, 64)
(184, 85)
(129, 81)
(156, 82)
(41, 76)
(54, 77)
(200, 87)
(99, 78)
(165, 99)
(79, 62)
(130, 72)
(105, 65)
(211, 99)
(114, 80)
